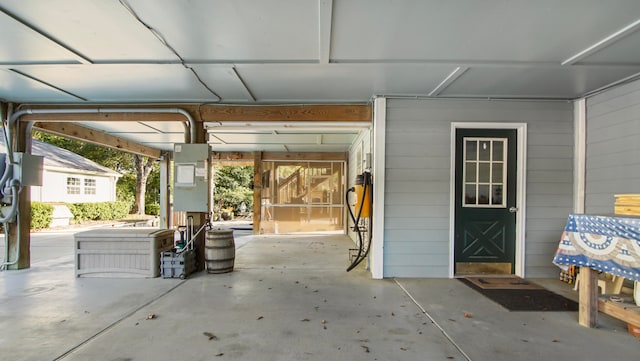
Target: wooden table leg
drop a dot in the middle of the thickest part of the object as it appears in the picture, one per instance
(588, 297)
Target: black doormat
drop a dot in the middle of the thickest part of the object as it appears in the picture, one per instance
(526, 299)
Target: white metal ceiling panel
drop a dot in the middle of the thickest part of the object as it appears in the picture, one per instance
(21, 45)
(166, 127)
(224, 81)
(340, 82)
(301, 138)
(152, 137)
(163, 146)
(17, 88)
(219, 147)
(235, 30)
(623, 51)
(471, 30)
(100, 30)
(136, 127)
(553, 82)
(124, 83)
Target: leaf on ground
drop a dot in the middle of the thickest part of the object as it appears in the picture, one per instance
(210, 335)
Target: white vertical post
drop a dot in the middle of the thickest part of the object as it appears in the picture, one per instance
(378, 172)
(580, 154)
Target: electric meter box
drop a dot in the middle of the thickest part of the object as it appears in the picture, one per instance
(28, 169)
(191, 177)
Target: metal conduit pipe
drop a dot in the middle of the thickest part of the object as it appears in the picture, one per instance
(190, 126)
(190, 136)
(6, 238)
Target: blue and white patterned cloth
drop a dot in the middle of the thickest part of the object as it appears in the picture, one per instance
(606, 244)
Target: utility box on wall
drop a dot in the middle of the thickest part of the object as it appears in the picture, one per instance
(191, 177)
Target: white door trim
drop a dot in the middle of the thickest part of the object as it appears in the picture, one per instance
(521, 185)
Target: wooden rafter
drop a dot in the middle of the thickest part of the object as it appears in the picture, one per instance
(97, 137)
(297, 113)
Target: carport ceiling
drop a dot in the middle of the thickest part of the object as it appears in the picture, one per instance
(311, 51)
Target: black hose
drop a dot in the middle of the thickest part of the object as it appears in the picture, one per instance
(356, 220)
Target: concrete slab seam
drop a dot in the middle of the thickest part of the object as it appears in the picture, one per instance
(112, 325)
(424, 311)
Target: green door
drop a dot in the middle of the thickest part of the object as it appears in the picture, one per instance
(485, 198)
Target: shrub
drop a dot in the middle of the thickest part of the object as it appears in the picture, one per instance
(41, 215)
(101, 211)
(152, 209)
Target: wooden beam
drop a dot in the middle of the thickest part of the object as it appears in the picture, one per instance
(232, 156)
(298, 113)
(97, 137)
(305, 156)
(257, 191)
(19, 237)
(625, 311)
(588, 297)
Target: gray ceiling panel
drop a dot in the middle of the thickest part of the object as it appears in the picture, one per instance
(100, 30)
(340, 82)
(124, 83)
(17, 88)
(137, 127)
(224, 81)
(496, 30)
(557, 82)
(22, 45)
(235, 30)
(624, 51)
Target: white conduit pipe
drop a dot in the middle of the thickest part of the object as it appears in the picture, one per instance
(190, 127)
(190, 136)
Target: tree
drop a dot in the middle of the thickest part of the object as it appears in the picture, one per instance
(136, 170)
(143, 167)
(232, 186)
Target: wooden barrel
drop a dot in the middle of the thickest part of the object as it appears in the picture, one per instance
(219, 250)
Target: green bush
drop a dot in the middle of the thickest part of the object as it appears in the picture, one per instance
(101, 211)
(41, 215)
(152, 209)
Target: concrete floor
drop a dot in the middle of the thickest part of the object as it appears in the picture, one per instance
(289, 298)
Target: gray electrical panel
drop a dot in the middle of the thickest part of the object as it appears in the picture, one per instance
(28, 169)
(191, 177)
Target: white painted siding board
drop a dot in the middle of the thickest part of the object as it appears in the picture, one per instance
(614, 100)
(418, 163)
(612, 118)
(613, 150)
(554, 176)
(417, 199)
(418, 170)
(417, 260)
(417, 223)
(415, 174)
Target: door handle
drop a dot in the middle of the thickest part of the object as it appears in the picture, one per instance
(513, 209)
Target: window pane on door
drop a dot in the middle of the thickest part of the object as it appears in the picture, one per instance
(484, 170)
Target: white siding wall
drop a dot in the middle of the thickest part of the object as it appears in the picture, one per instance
(363, 143)
(613, 147)
(54, 188)
(418, 160)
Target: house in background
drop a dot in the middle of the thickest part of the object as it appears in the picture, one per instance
(70, 178)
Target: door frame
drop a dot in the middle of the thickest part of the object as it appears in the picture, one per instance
(521, 159)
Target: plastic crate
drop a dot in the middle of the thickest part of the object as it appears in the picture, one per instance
(177, 265)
